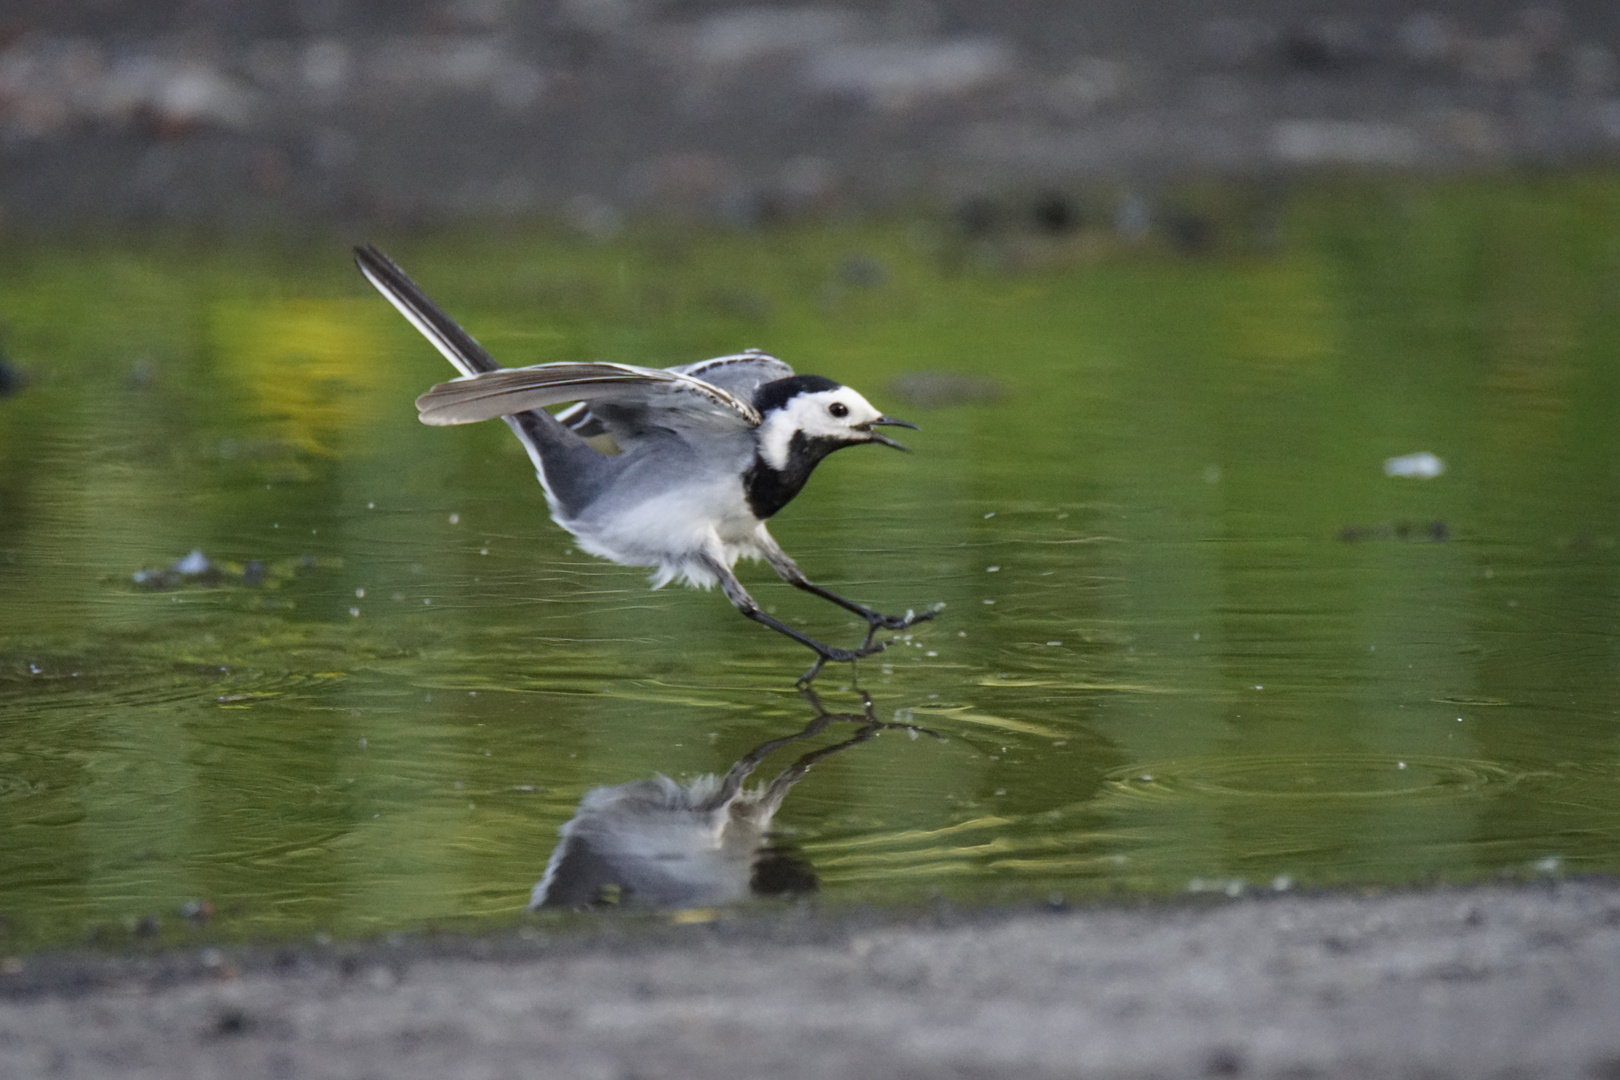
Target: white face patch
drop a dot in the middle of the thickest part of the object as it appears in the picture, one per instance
(817, 416)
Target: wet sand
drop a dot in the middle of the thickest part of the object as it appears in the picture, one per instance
(1488, 981)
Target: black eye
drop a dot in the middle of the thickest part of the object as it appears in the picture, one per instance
(838, 409)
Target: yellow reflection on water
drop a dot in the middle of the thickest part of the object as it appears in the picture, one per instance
(315, 367)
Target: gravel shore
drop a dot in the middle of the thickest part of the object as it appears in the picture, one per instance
(1492, 981)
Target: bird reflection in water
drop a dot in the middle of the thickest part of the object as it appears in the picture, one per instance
(661, 844)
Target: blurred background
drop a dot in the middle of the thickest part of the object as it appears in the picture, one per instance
(236, 112)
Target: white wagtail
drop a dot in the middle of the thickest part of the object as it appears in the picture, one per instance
(665, 844)
(707, 452)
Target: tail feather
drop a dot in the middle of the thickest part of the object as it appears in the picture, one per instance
(456, 344)
(576, 471)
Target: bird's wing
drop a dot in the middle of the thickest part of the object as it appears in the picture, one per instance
(623, 396)
(739, 374)
(579, 419)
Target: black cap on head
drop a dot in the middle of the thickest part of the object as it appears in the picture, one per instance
(773, 395)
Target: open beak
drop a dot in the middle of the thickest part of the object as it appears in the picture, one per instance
(889, 421)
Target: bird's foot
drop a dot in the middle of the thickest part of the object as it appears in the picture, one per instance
(879, 621)
(866, 719)
(875, 621)
(825, 653)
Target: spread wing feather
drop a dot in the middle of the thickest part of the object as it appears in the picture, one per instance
(741, 374)
(711, 393)
(579, 419)
(681, 397)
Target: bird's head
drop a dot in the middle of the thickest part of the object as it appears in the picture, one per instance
(814, 415)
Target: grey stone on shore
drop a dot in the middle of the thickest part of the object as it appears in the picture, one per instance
(1505, 980)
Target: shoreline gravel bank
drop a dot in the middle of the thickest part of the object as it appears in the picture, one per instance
(1495, 980)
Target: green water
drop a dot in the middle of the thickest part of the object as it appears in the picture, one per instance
(1193, 637)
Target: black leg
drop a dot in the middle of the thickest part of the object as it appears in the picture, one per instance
(866, 724)
(876, 620)
(789, 571)
(745, 765)
(867, 718)
(749, 607)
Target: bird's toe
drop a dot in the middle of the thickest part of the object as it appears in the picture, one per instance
(900, 622)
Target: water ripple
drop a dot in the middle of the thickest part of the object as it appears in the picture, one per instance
(1307, 777)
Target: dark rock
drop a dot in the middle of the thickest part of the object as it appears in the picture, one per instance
(232, 1021)
(1190, 234)
(1053, 213)
(11, 379)
(977, 216)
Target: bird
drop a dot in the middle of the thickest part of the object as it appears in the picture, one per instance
(700, 456)
(658, 843)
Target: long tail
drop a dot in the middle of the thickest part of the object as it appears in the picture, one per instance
(398, 289)
(569, 470)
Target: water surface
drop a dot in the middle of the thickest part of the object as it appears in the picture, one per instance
(1194, 636)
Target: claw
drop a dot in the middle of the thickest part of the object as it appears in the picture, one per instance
(867, 648)
(875, 621)
(828, 653)
(900, 622)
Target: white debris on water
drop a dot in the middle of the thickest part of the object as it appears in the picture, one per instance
(1419, 466)
(194, 563)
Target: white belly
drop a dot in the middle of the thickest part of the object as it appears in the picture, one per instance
(671, 531)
